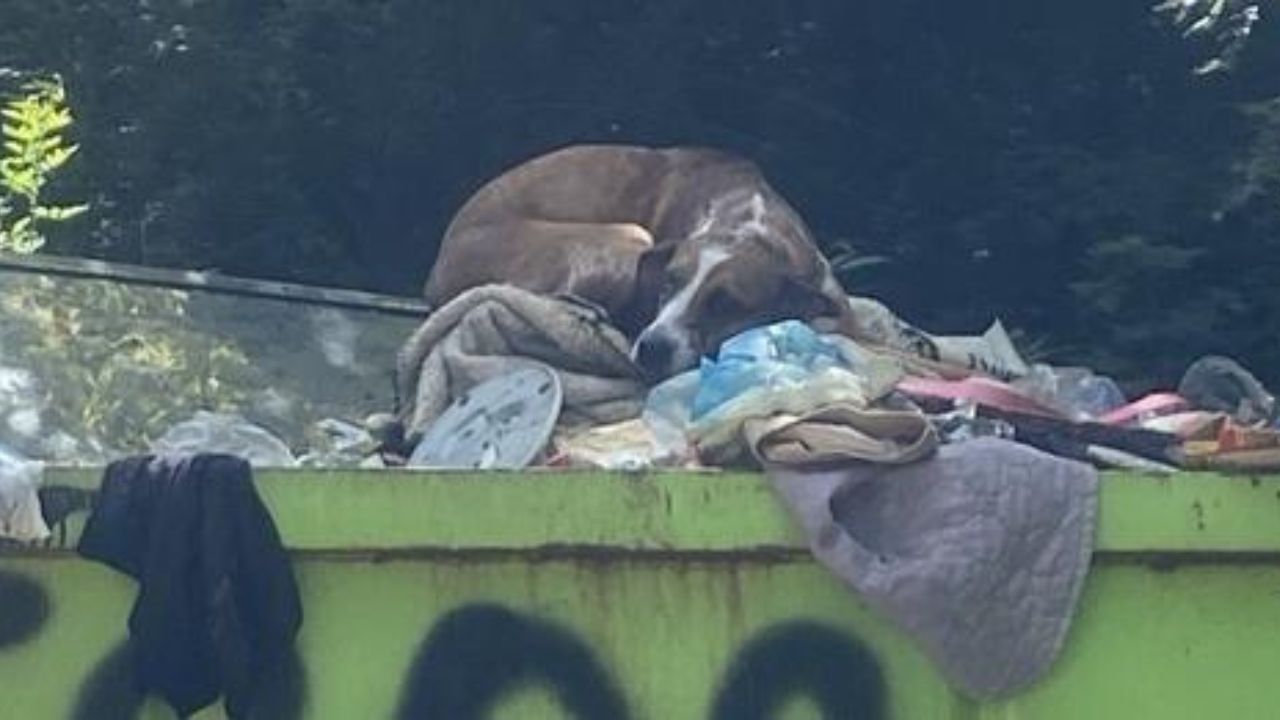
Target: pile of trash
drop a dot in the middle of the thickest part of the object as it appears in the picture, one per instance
(949, 482)
(928, 473)
(1219, 417)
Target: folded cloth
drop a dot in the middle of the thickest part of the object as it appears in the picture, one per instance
(839, 434)
(494, 329)
(721, 435)
(217, 607)
(979, 552)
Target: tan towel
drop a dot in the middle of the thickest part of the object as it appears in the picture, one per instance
(494, 329)
(840, 434)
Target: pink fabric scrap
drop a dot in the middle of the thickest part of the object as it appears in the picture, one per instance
(976, 389)
(1161, 403)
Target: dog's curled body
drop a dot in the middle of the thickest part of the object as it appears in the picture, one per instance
(681, 246)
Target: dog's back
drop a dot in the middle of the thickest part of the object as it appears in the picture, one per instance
(576, 220)
(682, 247)
(606, 184)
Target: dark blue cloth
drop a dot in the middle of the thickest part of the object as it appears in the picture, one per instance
(217, 607)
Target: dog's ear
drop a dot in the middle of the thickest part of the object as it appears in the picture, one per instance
(651, 265)
(650, 270)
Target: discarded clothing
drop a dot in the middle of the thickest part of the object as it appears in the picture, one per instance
(493, 329)
(20, 517)
(217, 607)
(1152, 405)
(839, 434)
(1075, 439)
(1221, 384)
(981, 391)
(979, 552)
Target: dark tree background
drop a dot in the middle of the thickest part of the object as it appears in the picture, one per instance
(1054, 164)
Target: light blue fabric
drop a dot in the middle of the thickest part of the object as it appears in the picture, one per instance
(784, 353)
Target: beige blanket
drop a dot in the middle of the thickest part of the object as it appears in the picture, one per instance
(491, 330)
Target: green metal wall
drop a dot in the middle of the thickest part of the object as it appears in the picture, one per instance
(664, 582)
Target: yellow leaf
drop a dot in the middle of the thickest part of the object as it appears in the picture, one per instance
(59, 212)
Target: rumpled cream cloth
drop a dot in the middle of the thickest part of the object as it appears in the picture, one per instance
(493, 330)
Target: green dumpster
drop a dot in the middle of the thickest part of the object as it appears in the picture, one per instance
(646, 596)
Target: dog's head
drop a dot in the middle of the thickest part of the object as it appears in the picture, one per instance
(739, 269)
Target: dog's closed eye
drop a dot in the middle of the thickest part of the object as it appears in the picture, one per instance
(722, 303)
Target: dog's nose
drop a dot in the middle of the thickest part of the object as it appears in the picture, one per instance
(653, 355)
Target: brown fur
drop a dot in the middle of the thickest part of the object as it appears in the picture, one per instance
(610, 223)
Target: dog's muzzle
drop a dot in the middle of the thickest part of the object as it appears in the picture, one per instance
(653, 355)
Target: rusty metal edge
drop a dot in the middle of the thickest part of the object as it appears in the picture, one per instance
(1168, 560)
(1159, 560)
(552, 552)
(88, 269)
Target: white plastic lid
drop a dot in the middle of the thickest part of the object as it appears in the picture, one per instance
(502, 423)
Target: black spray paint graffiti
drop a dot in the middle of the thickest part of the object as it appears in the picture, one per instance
(24, 607)
(110, 692)
(476, 654)
(801, 658)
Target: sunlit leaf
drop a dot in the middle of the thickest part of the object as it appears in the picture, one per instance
(59, 213)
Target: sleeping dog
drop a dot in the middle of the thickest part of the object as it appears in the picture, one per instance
(682, 247)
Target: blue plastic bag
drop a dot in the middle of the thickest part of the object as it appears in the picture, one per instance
(784, 353)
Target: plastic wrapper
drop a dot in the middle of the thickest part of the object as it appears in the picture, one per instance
(780, 368)
(20, 517)
(1075, 392)
(209, 432)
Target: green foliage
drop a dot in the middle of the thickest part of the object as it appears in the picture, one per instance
(1126, 274)
(33, 127)
(1257, 170)
(1051, 164)
(1152, 306)
(1219, 29)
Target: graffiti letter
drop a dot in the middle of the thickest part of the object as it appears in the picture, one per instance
(801, 657)
(476, 653)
